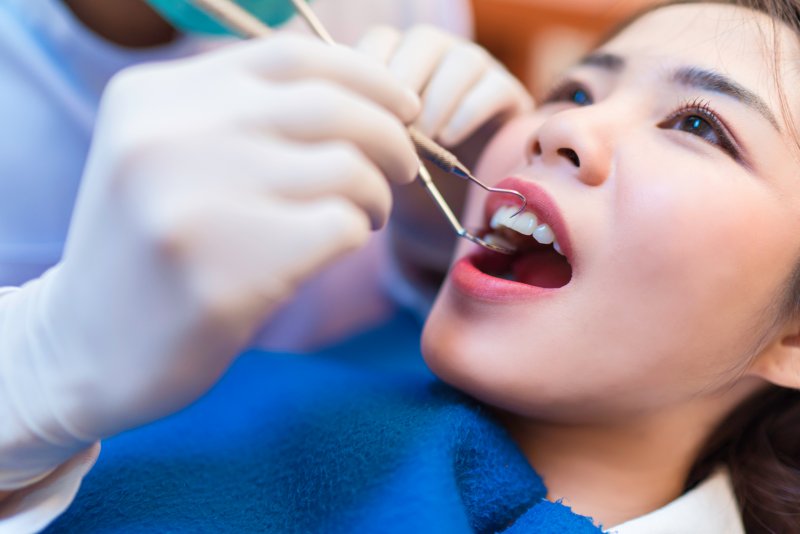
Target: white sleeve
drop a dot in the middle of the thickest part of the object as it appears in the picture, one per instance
(33, 507)
(34, 502)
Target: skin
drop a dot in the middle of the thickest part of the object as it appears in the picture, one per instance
(128, 23)
(611, 384)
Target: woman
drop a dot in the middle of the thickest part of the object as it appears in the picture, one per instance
(667, 342)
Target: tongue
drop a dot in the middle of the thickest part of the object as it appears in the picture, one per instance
(542, 268)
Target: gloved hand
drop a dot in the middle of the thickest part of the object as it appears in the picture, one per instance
(466, 95)
(214, 187)
(461, 85)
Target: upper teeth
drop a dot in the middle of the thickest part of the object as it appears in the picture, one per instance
(525, 223)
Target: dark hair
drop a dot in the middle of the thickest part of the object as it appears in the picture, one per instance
(760, 444)
(760, 440)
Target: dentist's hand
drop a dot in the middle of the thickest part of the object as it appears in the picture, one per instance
(466, 95)
(461, 85)
(215, 186)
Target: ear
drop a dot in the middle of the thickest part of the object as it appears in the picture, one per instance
(779, 362)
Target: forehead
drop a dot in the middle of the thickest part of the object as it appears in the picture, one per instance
(734, 41)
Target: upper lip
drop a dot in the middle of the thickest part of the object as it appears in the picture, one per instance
(539, 202)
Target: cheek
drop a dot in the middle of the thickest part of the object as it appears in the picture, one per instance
(707, 258)
(507, 149)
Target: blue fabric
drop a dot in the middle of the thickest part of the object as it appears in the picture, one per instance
(361, 438)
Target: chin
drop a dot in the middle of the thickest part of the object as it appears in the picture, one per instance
(475, 354)
(463, 354)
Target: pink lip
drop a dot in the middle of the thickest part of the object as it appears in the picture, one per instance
(471, 281)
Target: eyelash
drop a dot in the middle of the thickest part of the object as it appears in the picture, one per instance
(697, 107)
(701, 108)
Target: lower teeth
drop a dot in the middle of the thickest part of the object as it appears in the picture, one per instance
(494, 239)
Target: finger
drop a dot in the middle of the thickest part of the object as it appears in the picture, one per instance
(245, 165)
(379, 43)
(248, 251)
(460, 69)
(317, 111)
(346, 229)
(292, 57)
(321, 231)
(418, 55)
(309, 172)
(496, 93)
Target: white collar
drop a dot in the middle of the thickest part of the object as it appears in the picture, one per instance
(709, 507)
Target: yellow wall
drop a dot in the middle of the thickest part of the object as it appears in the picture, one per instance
(537, 39)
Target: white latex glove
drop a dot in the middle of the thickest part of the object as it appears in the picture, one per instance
(461, 85)
(214, 187)
(466, 95)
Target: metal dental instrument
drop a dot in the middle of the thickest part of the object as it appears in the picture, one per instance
(433, 191)
(239, 20)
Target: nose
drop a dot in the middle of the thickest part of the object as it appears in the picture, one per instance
(576, 141)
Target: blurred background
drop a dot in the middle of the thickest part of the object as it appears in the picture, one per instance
(537, 39)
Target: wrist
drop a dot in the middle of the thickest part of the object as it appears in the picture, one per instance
(33, 437)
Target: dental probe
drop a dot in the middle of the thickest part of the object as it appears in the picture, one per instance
(434, 192)
(238, 19)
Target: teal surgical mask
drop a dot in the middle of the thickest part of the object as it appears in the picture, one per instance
(189, 19)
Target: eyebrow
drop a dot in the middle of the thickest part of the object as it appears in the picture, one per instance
(696, 78)
(605, 61)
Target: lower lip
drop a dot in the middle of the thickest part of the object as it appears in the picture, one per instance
(473, 283)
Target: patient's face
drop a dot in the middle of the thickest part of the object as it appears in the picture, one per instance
(677, 203)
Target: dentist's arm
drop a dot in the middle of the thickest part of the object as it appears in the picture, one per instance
(214, 188)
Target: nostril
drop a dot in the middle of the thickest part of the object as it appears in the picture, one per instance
(570, 155)
(535, 149)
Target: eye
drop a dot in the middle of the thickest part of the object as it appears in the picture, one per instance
(580, 97)
(570, 92)
(697, 118)
(696, 125)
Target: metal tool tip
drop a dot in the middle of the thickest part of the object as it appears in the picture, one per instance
(522, 208)
(488, 243)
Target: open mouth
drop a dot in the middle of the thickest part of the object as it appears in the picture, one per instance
(543, 255)
(538, 259)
